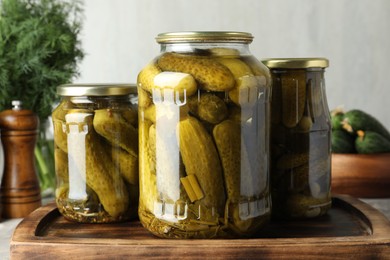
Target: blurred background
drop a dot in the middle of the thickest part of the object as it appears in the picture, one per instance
(119, 39)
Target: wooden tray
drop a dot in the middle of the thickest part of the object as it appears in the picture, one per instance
(351, 229)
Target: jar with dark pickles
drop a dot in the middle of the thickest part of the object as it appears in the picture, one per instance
(300, 138)
(96, 152)
(204, 137)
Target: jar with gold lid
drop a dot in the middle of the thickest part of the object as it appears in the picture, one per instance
(204, 132)
(96, 152)
(300, 138)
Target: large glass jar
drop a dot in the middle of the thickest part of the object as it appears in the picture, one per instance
(96, 152)
(204, 116)
(300, 138)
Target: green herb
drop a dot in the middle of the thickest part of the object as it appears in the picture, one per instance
(39, 50)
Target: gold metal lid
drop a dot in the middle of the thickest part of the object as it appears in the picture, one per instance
(204, 36)
(96, 89)
(296, 63)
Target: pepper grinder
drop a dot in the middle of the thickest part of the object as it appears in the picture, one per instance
(20, 192)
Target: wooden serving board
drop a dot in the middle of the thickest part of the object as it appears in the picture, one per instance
(350, 230)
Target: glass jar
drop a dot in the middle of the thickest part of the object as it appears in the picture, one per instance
(204, 137)
(300, 138)
(96, 152)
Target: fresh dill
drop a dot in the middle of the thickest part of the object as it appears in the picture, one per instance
(40, 49)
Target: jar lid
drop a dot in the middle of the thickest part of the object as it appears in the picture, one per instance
(96, 89)
(204, 36)
(296, 63)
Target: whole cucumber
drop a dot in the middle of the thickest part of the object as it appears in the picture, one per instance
(337, 117)
(355, 120)
(370, 142)
(342, 142)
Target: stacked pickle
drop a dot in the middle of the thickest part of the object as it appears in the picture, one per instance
(300, 145)
(201, 173)
(96, 159)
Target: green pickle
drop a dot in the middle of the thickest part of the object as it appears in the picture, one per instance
(196, 178)
(96, 153)
(300, 139)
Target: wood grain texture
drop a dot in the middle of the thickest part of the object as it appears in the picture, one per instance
(351, 229)
(361, 175)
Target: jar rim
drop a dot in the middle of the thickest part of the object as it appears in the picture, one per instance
(204, 36)
(98, 89)
(296, 63)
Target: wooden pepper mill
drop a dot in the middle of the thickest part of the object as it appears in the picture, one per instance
(20, 193)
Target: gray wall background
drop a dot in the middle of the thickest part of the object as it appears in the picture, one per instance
(118, 37)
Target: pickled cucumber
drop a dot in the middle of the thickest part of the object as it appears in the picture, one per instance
(293, 97)
(61, 165)
(182, 83)
(239, 114)
(100, 172)
(146, 77)
(111, 125)
(209, 108)
(301, 206)
(237, 67)
(245, 92)
(234, 158)
(102, 177)
(150, 113)
(130, 116)
(276, 104)
(305, 124)
(151, 148)
(147, 166)
(314, 99)
(225, 52)
(304, 176)
(205, 163)
(144, 98)
(58, 116)
(209, 73)
(127, 165)
(259, 70)
(290, 161)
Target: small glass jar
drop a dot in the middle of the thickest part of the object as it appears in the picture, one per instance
(96, 152)
(204, 137)
(300, 138)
